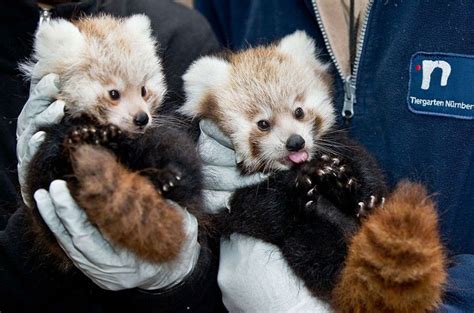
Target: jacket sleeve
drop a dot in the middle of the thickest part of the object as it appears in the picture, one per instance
(27, 281)
(459, 293)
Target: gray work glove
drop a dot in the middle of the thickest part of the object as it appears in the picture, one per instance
(41, 109)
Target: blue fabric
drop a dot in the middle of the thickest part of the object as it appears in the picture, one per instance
(435, 150)
(459, 294)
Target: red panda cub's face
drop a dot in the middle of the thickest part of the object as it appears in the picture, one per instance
(108, 68)
(273, 102)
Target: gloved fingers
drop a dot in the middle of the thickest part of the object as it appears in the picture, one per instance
(216, 200)
(170, 274)
(47, 210)
(25, 153)
(24, 196)
(190, 248)
(26, 150)
(86, 238)
(22, 143)
(29, 141)
(227, 178)
(34, 77)
(53, 114)
(102, 254)
(211, 129)
(33, 145)
(214, 153)
(71, 215)
(46, 89)
(40, 98)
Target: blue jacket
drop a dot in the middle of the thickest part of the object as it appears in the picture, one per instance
(421, 133)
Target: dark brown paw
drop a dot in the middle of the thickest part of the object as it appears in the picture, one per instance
(105, 135)
(334, 170)
(165, 179)
(327, 174)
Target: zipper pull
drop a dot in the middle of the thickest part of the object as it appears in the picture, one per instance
(45, 16)
(349, 98)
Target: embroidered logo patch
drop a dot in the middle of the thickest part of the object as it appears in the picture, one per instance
(442, 84)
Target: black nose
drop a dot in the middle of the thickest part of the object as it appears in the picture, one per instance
(295, 143)
(141, 119)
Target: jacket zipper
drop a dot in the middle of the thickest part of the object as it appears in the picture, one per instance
(45, 16)
(350, 80)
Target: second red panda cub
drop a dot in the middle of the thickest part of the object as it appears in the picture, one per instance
(274, 103)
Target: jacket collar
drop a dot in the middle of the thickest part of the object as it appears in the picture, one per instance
(334, 16)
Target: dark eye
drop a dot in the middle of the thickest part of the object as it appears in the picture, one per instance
(263, 125)
(114, 94)
(299, 113)
(143, 91)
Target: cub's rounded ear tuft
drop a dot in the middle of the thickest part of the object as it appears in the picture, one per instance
(138, 23)
(204, 78)
(301, 47)
(56, 42)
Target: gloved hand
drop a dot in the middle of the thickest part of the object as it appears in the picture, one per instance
(253, 276)
(220, 172)
(39, 110)
(110, 267)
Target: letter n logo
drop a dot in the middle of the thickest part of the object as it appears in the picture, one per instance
(429, 66)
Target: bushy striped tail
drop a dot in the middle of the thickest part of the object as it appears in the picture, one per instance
(396, 263)
(125, 206)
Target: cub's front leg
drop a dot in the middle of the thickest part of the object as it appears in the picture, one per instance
(169, 159)
(349, 178)
(259, 211)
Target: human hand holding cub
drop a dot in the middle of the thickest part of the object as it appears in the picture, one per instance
(107, 266)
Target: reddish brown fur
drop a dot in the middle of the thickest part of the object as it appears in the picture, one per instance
(255, 140)
(125, 206)
(396, 263)
(99, 27)
(318, 122)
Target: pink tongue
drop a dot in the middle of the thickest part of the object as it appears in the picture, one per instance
(298, 157)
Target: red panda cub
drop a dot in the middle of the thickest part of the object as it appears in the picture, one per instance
(121, 164)
(274, 103)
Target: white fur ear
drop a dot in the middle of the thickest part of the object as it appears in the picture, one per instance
(302, 47)
(205, 75)
(139, 24)
(56, 43)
